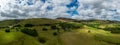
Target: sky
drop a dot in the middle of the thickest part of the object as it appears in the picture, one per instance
(75, 9)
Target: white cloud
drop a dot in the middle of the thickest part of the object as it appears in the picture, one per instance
(88, 9)
(99, 9)
(20, 9)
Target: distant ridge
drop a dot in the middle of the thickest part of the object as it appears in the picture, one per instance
(90, 20)
(47, 20)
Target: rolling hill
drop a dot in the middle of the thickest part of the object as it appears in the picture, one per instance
(60, 31)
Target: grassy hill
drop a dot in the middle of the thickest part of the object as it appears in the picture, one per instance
(42, 31)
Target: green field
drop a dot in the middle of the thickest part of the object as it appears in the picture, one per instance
(55, 32)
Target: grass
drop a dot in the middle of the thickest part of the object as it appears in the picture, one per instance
(51, 39)
(37, 21)
(95, 37)
(25, 40)
(6, 38)
(80, 39)
(80, 36)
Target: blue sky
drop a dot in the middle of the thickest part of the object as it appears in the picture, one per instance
(75, 9)
(75, 4)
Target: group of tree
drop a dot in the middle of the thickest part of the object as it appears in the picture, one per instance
(45, 24)
(54, 27)
(65, 26)
(31, 32)
(93, 25)
(28, 25)
(18, 25)
(68, 26)
(113, 29)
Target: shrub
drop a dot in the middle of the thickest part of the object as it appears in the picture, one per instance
(44, 29)
(66, 26)
(18, 25)
(30, 32)
(17, 29)
(44, 24)
(42, 40)
(55, 33)
(7, 30)
(54, 27)
(113, 30)
(118, 44)
(28, 25)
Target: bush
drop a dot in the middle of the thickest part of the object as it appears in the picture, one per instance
(30, 32)
(118, 44)
(44, 29)
(17, 29)
(55, 33)
(44, 24)
(7, 30)
(28, 25)
(66, 26)
(54, 27)
(42, 40)
(18, 25)
(113, 30)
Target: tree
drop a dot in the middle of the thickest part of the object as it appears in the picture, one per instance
(28, 25)
(66, 26)
(89, 31)
(44, 29)
(45, 24)
(42, 40)
(54, 27)
(17, 29)
(55, 33)
(18, 25)
(113, 30)
(7, 30)
(31, 32)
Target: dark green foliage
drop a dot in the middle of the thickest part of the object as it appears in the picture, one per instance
(93, 25)
(113, 30)
(89, 31)
(17, 29)
(118, 44)
(55, 33)
(28, 25)
(99, 28)
(18, 25)
(54, 27)
(42, 40)
(65, 26)
(44, 29)
(68, 26)
(31, 32)
(45, 24)
(7, 30)
(4, 27)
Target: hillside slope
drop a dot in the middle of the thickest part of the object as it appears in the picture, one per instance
(41, 31)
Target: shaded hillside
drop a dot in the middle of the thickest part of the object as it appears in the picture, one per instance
(50, 21)
(91, 20)
(38, 21)
(9, 22)
(35, 21)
